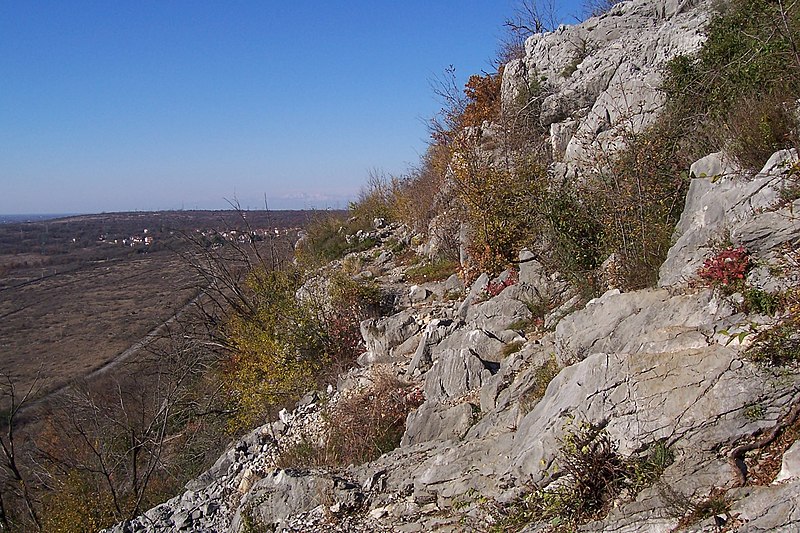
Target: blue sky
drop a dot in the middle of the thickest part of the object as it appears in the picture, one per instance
(147, 105)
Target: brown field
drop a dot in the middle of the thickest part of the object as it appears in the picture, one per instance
(64, 326)
(74, 297)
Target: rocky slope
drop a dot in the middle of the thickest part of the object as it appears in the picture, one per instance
(601, 78)
(513, 368)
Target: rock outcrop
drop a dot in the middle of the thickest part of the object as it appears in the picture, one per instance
(657, 365)
(600, 79)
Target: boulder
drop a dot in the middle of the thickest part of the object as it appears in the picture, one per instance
(455, 373)
(499, 313)
(381, 335)
(647, 321)
(285, 493)
(436, 331)
(732, 206)
(434, 421)
(418, 294)
(476, 291)
(712, 166)
(539, 285)
(790, 467)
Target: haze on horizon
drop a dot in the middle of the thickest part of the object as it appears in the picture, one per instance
(169, 105)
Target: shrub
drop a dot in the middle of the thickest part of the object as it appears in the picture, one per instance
(594, 475)
(331, 236)
(483, 99)
(359, 428)
(376, 198)
(637, 197)
(422, 194)
(274, 348)
(756, 127)
(78, 506)
(284, 346)
(727, 267)
(497, 202)
(348, 303)
(762, 302)
(572, 233)
(715, 504)
(324, 240)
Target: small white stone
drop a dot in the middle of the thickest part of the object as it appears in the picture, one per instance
(378, 512)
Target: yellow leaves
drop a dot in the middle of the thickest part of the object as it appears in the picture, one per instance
(269, 363)
(498, 206)
(77, 506)
(284, 346)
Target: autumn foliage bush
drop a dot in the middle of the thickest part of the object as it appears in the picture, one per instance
(285, 345)
(483, 98)
(493, 288)
(727, 267)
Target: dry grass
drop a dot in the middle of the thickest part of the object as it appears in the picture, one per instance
(360, 427)
(67, 325)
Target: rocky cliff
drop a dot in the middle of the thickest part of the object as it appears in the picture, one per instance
(673, 397)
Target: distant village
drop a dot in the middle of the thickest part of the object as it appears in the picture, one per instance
(147, 236)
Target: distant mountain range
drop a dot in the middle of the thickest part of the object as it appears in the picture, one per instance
(10, 219)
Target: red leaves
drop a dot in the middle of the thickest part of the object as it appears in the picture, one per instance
(727, 267)
(493, 288)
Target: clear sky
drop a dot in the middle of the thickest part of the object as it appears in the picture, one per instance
(149, 105)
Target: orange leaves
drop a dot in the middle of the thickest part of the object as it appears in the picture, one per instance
(483, 99)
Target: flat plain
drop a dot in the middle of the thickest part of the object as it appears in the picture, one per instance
(76, 293)
(63, 326)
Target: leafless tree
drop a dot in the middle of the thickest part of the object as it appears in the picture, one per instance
(594, 8)
(450, 94)
(15, 482)
(123, 432)
(532, 16)
(224, 264)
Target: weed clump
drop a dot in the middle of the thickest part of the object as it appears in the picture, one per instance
(592, 475)
(435, 270)
(359, 428)
(542, 376)
(779, 345)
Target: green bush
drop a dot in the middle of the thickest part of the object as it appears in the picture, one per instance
(497, 205)
(737, 92)
(573, 233)
(275, 348)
